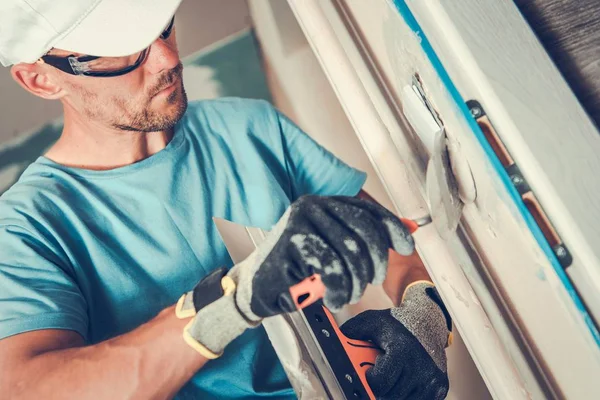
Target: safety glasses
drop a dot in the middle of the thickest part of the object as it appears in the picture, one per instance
(103, 66)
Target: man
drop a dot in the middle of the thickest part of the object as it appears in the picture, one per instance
(103, 234)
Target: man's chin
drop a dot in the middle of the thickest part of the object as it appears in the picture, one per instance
(177, 95)
(173, 107)
(178, 101)
(160, 116)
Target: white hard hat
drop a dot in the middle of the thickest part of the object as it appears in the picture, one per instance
(111, 28)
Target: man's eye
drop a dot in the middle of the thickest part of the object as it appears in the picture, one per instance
(167, 32)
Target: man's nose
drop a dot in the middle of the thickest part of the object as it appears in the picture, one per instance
(163, 55)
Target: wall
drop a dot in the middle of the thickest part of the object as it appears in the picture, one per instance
(203, 22)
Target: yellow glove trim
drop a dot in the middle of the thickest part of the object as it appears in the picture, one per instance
(228, 285)
(199, 347)
(413, 284)
(180, 312)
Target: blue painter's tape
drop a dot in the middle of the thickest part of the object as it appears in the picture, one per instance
(410, 20)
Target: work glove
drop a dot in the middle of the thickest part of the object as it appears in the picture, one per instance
(413, 338)
(345, 240)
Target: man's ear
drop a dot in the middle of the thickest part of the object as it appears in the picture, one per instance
(35, 80)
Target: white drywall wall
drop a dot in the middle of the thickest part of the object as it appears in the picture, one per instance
(199, 23)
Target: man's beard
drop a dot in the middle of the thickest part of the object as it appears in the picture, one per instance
(148, 120)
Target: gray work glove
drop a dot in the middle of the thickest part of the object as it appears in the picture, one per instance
(413, 338)
(344, 239)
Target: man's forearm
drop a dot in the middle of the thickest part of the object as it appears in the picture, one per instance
(401, 272)
(150, 362)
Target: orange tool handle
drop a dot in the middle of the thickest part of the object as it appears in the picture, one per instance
(410, 224)
(362, 354)
(308, 291)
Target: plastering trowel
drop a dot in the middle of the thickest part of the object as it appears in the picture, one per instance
(449, 181)
(320, 361)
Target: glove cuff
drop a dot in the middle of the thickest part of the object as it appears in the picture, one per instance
(433, 294)
(425, 316)
(219, 321)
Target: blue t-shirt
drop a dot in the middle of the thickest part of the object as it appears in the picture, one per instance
(101, 252)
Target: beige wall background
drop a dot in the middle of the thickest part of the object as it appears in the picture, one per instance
(199, 24)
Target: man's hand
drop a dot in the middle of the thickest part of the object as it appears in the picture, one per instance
(413, 338)
(344, 239)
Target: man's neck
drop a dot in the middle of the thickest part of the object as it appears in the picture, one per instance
(89, 145)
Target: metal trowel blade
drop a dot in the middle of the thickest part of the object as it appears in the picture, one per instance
(445, 205)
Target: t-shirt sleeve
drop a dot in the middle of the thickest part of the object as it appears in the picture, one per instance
(312, 168)
(35, 291)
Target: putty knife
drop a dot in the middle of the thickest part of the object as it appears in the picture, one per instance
(443, 197)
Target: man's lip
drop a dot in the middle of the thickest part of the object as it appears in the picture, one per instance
(171, 86)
